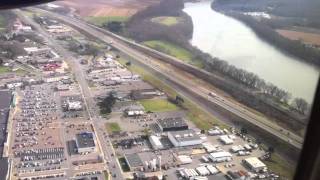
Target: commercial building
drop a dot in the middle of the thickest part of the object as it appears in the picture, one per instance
(5, 102)
(134, 161)
(74, 105)
(184, 138)
(172, 124)
(220, 156)
(85, 142)
(225, 139)
(155, 142)
(135, 110)
(254, 164)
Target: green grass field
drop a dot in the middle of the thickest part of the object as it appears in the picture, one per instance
(112, 127)
(280, 165)
(158, 105)
(100, 20)
(173, 50)
(166, 20)
(4, 69)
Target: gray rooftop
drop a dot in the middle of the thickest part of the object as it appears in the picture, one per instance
(185, 135)
(85, 139)
(133, 160)
(5, 101)
(172, 122)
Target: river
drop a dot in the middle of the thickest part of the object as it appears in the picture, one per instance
(231, 40)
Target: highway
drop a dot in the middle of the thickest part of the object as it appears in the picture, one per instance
(102, 137)
(189, 84)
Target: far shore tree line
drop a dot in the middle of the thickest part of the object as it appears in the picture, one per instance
(141, 28)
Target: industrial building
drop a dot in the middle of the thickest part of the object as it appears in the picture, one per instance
(184, 138)
(6, 98)
(134, 161)
(220, 156)
(172, 124)
(254, 164)
(155, 142)
(134, 110)
(226, 139)
(85, 142)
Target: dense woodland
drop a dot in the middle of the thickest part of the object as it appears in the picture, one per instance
(247, 87)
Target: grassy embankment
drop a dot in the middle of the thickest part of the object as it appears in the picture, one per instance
(166, 20)
(173, 50)
(158, 105)
(204, 120)
(112, 127)
(101, 20)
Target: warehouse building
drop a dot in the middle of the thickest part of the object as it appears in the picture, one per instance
(220, 156)
(155, 142)
(172, 124)
(134, 161)
(184, 138)
(85, 142)
(254, 164)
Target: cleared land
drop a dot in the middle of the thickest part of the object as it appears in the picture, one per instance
(113, 127)
(309, 38)
(101, 20)
(173, 50)
(158, 105)
(166, 20)
(107, 8)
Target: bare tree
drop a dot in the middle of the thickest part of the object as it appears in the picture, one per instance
(300, 105)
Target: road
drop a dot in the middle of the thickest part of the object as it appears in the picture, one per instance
(156, 65)
(102, 137)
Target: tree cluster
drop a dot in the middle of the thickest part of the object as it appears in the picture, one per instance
(107, 103)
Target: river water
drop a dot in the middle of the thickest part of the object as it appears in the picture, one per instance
(231, 40)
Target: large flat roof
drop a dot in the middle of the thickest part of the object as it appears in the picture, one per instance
(5, 101)
(85, 139)
(133, 160)
(172, 122)
(185, 135)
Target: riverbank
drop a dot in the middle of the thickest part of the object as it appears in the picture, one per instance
(264, 30)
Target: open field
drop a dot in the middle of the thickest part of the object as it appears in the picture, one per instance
(173, 50)
(108, 8)
(112, 127)
(158, 105)
(166, 20)
(309, 38)
(101, 20)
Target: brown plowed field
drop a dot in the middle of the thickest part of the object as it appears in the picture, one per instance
(107, 7)
(309, 38)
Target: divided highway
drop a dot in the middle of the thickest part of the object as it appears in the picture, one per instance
(157, 65)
